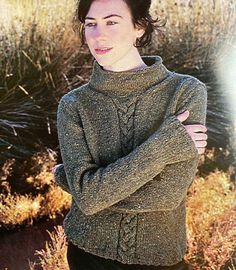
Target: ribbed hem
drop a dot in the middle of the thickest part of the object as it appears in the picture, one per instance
(150, 261)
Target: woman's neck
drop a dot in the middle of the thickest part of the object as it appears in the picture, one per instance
(132, 62)
(139, 66)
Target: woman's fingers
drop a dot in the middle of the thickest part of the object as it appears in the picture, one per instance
(183, 116)
(200, 136)
(196, 128)
(200, 143)
(197, 133)
(54, 168)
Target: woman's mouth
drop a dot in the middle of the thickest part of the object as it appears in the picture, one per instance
(102, 50)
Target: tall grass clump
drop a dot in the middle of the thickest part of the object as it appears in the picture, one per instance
(211, 211)
(53, 257)
(41, 196)
(194, 31)
(37, 48)
(21, 210)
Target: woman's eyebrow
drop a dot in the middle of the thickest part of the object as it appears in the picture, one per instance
(106, 17)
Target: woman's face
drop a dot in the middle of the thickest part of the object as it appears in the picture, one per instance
(110, 34)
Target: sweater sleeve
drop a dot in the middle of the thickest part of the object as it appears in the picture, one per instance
(168, 189)
(60, 178)
(94, 187)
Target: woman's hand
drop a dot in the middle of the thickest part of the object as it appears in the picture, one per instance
(54, 168)
(197, 132)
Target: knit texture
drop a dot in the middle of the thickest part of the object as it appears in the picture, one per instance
(128, 162)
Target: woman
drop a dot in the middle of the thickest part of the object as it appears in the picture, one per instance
(128, 158)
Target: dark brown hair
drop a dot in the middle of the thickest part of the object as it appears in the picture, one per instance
(140, 17)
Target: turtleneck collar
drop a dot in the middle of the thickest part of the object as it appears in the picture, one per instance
(128, 83)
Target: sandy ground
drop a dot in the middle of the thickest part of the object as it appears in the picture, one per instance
(16, 247)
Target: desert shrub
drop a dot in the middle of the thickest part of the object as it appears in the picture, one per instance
(20, 210)
(211, 221)
(53, 257)
(36, 47)
(40, 196)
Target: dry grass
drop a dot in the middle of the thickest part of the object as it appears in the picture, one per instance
(46, 23)
(195, 30)
(5, 172)
(16, 209)
(38, 54)
(47, 16)
(40, 174)
(55, 200)
(53, 257)
(211, 211)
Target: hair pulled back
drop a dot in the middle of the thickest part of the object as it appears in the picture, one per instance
(140, 17)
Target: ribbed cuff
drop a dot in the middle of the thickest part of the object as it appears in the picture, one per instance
(177, 145)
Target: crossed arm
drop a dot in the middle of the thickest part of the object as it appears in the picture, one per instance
(95, 188)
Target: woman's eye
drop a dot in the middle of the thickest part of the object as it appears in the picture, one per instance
(90, 24)
(94, 24)
(111, 23)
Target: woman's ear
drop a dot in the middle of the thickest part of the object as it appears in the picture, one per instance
(140, 32)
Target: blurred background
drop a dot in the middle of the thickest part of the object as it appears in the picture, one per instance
(41, 59)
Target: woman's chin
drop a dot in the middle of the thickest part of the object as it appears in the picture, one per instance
(104, 64)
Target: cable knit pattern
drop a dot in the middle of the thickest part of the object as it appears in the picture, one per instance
(126, 123)
(127, 237)
(128, 162)
(128, 226)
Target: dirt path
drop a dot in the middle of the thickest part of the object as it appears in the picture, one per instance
(16, 247)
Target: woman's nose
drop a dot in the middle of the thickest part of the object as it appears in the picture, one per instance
(99, 33)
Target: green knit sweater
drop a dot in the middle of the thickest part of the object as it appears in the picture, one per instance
(128, 162)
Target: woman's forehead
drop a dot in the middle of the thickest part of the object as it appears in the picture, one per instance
(104, 8)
